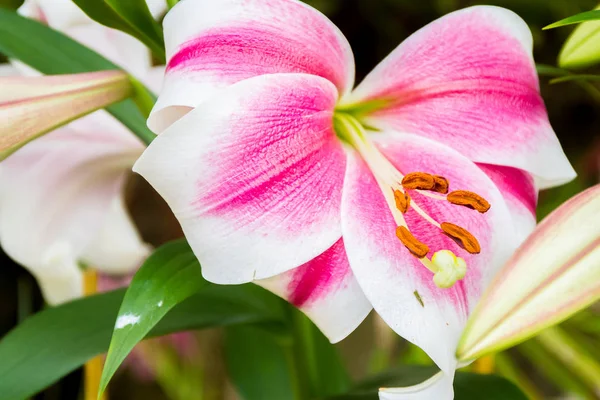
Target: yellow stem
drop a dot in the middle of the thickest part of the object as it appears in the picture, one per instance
(93, 368)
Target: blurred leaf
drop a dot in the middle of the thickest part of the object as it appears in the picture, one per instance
(56, 341)
(260, 366)
(53, 53)
(554, 370)
(265, 363)
(549, 70)
(583, 77)
(169, 276)
(575, 19)
(132, 17)
(581, 49)
(326, 373)
(572, 355)
(12, 4)
(467, 386)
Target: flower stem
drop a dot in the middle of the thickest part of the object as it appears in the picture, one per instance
(93, 368)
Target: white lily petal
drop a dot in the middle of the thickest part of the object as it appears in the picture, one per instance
(438, 387)
(56, 195)
(118, 248)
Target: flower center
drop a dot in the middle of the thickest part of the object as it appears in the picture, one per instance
(397, 188)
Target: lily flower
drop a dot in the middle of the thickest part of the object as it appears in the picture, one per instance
(62, 202)
(405, 194)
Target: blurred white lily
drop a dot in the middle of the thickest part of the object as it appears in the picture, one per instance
(553, 275)
(61, 202)
(32, 106)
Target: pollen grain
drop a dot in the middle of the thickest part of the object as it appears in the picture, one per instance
(468, 241)
(468, 199)
(418, 180)
(402, 201)
(441, 184)
(416, 247)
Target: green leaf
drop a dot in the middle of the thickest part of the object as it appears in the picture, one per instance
(168, 277)
(137, 14)
(12, 4)
(582, 77)
(325, 371)
(581, 49)
(56, 341)
(576, 19)
(467, 386)
(261, 365)
(52, 53)
(131, 17)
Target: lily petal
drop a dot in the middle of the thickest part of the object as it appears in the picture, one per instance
(326, 290)
(476, 90)
(212, 44)
(438, 387)
(254, 176)
(520, 193)
(118, 248)
(398, 285)
(554, 274)
(56, 194)
(32, 106)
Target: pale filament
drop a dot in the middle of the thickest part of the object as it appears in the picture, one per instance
(387, 176)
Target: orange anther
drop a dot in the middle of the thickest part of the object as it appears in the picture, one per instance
(418, 180)
(468, 241)
(417, 248)
(441, 184)
(468, 199)
(402, 201)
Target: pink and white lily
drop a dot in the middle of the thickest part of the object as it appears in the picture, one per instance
(340, 200)
(61, 202)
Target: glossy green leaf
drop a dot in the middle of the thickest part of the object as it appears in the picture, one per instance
(131, 17)
(168, 277)
(576, 19)
(467, 386)
(53, 53)
(261, 365)
(56, 341)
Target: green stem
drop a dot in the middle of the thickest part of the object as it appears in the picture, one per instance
(171, 3)
(294, 356)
